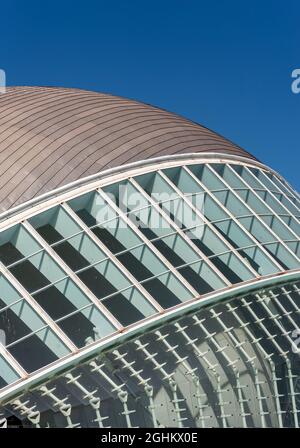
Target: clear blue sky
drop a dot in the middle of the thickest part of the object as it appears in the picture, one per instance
(226, 64)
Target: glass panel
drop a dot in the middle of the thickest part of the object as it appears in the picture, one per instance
(256, 259)
(38, 272)
(295, 247)
(271, 201)
(34, 272)
(207, 177)
(255, 203)
(247, 176)
(15, 244)
(7, 374)
(127, 306)
(278, 227)
(282, 187)
(282, 256)
(18, 320)
(292, 223)
(232, 203)
(45, 343)
(64, 298)
(257, 229)
(265, 266)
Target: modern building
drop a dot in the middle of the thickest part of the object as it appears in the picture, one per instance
(149, 270)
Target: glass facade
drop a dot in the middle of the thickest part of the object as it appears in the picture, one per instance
(124, 253)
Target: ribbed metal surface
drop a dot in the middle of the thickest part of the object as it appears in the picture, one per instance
(50, 137)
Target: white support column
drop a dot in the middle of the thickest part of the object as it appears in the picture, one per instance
(64, 408)
(239, 387)
(117, 389)
(168, 377)
(210, 367)
(283, 353)
(256, 341)
(90, 396)
(230, 363)
(3, 421)
(145, 383)
(289, 297)
(30, 413)
(290, 375)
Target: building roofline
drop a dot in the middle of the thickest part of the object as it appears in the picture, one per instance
(105, 175)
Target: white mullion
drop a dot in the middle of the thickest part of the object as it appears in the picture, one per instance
(178, 231)
(273, 213)
(259, 321)
(292, 192)
(150, 246)
(112, 257)
(38, 309)
(241, 400)
(230, 363)
(83, 288)
(283, 194)
(205, 220)
(257, 243)
(237, 345)
(189, 371)
(265, 188)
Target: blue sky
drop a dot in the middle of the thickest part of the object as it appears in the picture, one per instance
(226, 64)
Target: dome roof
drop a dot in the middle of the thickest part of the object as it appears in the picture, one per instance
(51, 136)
